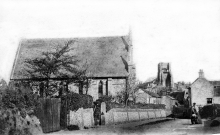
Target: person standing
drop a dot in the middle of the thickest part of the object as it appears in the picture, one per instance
(175, 110)
(194, 114)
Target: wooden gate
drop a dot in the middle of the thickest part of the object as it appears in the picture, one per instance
(49, 114)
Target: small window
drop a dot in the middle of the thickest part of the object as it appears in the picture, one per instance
(209, 100)
(215, 87)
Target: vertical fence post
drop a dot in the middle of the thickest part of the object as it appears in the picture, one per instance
(138, 114)
(127, 114)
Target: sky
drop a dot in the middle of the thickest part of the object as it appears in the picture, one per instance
(185, 33)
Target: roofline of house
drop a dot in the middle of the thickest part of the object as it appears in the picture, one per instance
(199, 78)
(79, 37)
(42, 79)
(15, 60)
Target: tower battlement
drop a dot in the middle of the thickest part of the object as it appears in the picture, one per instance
(164, 76)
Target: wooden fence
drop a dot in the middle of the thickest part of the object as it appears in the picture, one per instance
(49, 114)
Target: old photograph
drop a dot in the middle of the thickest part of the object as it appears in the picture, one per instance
(109, 67)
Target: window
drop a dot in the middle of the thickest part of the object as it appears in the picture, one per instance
(100, 89)
(209, 100)
(107, 87)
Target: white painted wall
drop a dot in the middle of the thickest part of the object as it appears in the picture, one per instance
(201, 89)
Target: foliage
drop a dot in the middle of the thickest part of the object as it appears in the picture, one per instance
(179, 96)
(73, 127)
(74, 101)
(3, 86)
(147, 106)
(210, 111)
(120, 97)
(14, 107)
(107, 100)
(128, 93)
(15, 99)
(12, 122)
(111, 104)
(56, 63)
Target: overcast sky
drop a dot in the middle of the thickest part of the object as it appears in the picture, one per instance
(185, 33)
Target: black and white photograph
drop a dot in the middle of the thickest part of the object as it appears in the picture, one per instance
(109, 67)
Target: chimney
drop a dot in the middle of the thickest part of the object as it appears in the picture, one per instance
(201, 73)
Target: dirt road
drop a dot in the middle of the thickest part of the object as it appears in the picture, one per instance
(166, 127)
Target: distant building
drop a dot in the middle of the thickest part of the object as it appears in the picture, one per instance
(169, 102)
(164, 76)
(109, 59)
(203, 91)
(147, 97)
(181, 86)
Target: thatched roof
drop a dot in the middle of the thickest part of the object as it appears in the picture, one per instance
(101, 53)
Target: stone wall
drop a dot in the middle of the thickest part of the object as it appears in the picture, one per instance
(123, 115)
(82, 118)
(168, 102)
(110, 86)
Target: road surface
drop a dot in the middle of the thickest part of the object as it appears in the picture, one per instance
(166, 127)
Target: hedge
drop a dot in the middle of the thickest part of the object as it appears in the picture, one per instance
(147, 106)
(14, 122)
(210, 111)
(110, 104)
(74, 101)
(14, 99)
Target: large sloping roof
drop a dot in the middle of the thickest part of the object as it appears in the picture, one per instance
(101, 53)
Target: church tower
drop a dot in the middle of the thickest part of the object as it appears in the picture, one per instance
(164, 76)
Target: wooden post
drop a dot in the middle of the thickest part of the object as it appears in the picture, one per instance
(87, 86)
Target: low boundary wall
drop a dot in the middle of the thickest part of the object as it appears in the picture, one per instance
(84, 117)
(121, 115)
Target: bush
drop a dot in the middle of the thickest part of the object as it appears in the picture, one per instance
(73, 127)
(210, 111)
(12, 122)
(75, 101)
(107, 100)
(109, 103)
(148, 106)
(14, 109)
(14, 99)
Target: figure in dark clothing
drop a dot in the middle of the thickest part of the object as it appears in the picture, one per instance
(175, 110)
(97, 112)
(194, 114)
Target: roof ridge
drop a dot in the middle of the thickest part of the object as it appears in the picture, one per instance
(119, 36)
